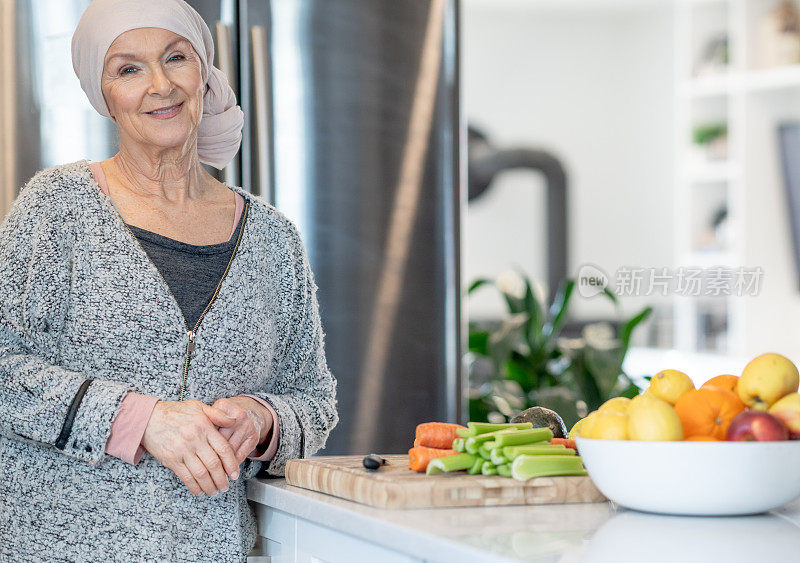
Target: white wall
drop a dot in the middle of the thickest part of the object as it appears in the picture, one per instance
(595, 87)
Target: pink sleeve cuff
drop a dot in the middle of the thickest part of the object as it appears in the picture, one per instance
(265, 451)
(127, 430)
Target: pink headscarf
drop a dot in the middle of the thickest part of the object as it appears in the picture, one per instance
(220, 130)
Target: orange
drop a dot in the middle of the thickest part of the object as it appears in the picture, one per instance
(702, 439)
(726, 381)
(708, 412)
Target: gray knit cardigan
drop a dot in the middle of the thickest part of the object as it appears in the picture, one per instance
(85, 317)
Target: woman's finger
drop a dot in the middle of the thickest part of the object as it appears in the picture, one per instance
(248, 445)
(187, 478)
(224, 451)
(218, 417)
(240, 434)
(213, 463)
(201, 473)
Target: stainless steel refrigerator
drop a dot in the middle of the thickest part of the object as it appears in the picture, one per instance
(353, 129)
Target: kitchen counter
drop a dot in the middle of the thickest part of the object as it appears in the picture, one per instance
(300, 525)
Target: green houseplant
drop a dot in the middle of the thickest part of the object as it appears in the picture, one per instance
(523, 361)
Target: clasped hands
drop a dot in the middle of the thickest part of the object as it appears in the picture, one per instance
(204, 445)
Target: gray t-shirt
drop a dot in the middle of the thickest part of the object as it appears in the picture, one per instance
(192, 272)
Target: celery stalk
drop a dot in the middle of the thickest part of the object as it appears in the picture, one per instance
(496, 456)
(471, 446)
(458, 445)
(513, 452)
(476, 467)
(449, 463)
(464, 432)
(488, 468)
(475, 442)
(485, 427)
(530, 466)
(504, 470)
(484, 453)
(523, 437)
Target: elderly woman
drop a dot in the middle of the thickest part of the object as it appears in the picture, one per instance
(159, 331)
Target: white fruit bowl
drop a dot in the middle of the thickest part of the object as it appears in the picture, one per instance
(694, 478)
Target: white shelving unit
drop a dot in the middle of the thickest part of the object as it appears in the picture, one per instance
(750, 100)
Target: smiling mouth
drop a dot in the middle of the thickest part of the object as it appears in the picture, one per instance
(165, 110)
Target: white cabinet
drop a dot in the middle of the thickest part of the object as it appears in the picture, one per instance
(286, 538)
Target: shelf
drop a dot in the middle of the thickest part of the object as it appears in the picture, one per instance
(750, 100)
(713, 173)
(771, 79)
(750, 81)
(708, 86)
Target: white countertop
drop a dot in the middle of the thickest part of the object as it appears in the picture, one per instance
(600, 532)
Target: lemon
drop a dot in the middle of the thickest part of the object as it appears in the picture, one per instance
(670, 384)
(585, 429)
(576, 429)
(609, 426)
(646, 394)
(617, 404)
(651, 418)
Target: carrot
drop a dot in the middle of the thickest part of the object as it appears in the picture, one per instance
(566, 442)
(420, 457)
(416, 442)
(437, 434)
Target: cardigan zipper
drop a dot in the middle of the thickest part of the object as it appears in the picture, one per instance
(191, 333)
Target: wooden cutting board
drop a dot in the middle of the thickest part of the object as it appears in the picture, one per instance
(395, 486)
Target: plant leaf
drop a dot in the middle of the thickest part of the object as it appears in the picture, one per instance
(611, 295)
(631, 391)
(479, 342)
(585, 380)
(477, 283)
(514, 305)
(504, 339)
(533, 307)
(478, 411)
(558, 311)
(606, 368)
(627, 328)
(519, 371)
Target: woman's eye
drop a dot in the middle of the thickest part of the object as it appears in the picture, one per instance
(176, 57)
(126, 69)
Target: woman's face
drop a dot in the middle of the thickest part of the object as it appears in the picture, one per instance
(149, 69)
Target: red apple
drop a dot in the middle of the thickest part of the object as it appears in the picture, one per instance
(756, 426)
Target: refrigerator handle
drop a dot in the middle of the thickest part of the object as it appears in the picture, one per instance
(258, 40)
(225, 62)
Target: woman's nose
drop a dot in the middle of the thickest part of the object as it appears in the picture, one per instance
(161, 83)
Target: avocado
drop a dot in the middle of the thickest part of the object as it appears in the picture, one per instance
(541, 417)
